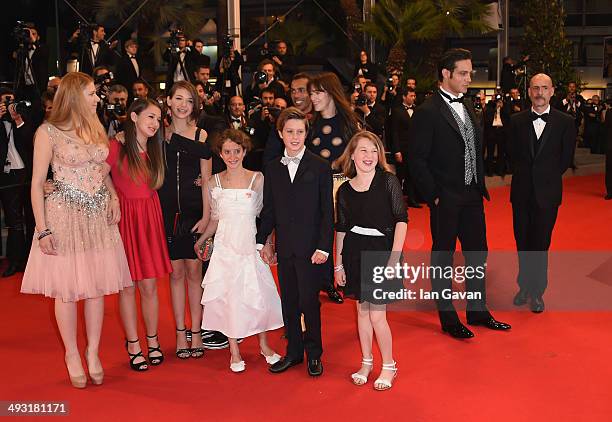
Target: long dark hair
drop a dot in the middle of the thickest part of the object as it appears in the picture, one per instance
(330, 83)
(151, 170)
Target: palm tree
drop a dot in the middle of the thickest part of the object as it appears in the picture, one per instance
(415, 29)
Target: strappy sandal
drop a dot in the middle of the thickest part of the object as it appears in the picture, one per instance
(359, 379)
(384, 383)
(140, 366)
(182, 353)
(196, 352)
(155, 360)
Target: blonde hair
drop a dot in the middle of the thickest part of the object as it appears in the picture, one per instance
(346, 163)
(71, 112)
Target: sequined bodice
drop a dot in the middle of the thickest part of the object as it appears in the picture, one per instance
(77, 164)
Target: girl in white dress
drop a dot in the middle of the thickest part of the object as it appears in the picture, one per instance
(240, 298)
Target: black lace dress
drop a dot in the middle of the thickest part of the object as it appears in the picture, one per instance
(380, 208)
(180, 195)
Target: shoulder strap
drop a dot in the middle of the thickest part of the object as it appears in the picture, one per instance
(197, 134)
(218, 181)
(252, 180)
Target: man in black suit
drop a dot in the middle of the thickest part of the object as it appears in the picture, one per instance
(198, 50)
(16, 151)
(129, 67)
(33, 60)
(372, 113)
(398, 138)
(298, 205)
(445, 158)
(496, 121)
(95, 52)
(542, 150)
(181, 63)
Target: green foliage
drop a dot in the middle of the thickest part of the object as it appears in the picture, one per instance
(411, 27)
(545, 42)
(304, 38)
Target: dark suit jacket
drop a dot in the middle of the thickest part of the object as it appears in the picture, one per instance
(40, 68)
(375, 121)
(401, 125)
(173, 61)
(539, 164)
(436, 151)
(23, 138)
(104, 57)
(125, 72)
(301, 212)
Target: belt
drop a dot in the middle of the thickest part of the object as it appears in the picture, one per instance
(366, 231)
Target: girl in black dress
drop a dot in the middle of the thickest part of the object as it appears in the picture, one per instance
(185, 209)
(371, 217)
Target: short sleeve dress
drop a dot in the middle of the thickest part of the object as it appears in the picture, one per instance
(181, 193)
(379, 209)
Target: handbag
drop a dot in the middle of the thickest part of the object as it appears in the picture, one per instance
(206, 249)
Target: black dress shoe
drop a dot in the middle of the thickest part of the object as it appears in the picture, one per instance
(12, 269)
(283, 364)
(521, 298)
(537, 304)
(315, 367)
(334, 295)
(458, 331)
(608, 197)
(492, 323)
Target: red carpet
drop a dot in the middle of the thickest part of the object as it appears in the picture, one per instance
(550, 367)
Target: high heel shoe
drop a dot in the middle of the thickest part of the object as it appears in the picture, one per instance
(382, 384)
(155, 360)
(140, 366)
(359, 379)
(79, 381)
(97, 378)
(182, 353)
(196, 352)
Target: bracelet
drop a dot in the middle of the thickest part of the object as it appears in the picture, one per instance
(44, 233)
(339, 268)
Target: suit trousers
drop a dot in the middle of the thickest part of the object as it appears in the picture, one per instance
(12, 198)
(300, 282)
(533, 227)
(459, 216)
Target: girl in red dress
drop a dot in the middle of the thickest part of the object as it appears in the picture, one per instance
(137, 169)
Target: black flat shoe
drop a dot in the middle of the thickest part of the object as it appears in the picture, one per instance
(155, 360)
(492, 323)
(608, 197)
(140, 366)
(334, 295)
(283, 364)
(315, 367)
(537, 304)
(520, 298)
(458, 331)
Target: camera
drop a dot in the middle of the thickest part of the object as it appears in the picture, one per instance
(260, 77)
(173, 41)
(102, 82)
(21, 33)
(389, 84)
(228, 42)
(274, 111)
(21, 107)
(248, 130)
(361, 98)
(116, 108)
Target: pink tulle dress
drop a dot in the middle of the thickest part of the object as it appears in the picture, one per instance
(90, 260)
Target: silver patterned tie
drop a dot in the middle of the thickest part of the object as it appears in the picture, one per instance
(286, 160)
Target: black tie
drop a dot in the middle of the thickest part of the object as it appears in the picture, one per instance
(535, 116)
(450, 99)
(236, 119)
(133, 57)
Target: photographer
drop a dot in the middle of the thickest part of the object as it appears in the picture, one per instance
(514, 103)
(371, 113)
(200, 58)
(140, 90)
(262, 118)
(211, 100)
(229, 82)
(265, 77)
(284, 61)
(180, 60)
(496, 124)
(16, 150)
(31, 62)
(593, 126)
(115, 110)
(364, 67)
(88, 46)
(389, 97)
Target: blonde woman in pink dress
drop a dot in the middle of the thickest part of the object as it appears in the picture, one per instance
(77, 253)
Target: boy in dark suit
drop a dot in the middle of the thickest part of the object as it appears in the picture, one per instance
(298, 205)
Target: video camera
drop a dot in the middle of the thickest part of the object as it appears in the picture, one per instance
(115, 108)
(175, 36)
(260, 77)
(21, 33)
(389, 84)
(21, 107)
(102, 83)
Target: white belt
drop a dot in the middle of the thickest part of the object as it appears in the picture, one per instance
(366, 231)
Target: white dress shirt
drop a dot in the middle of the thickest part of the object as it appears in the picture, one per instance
(135, 64)
(539, 125)
(12, 156)
(95, 47)
(497, 121)
(458, 107)
(178, 72)
(29, 78)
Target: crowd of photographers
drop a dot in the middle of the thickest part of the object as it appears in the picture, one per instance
(382, 105)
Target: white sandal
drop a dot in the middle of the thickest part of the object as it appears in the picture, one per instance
(237, 366)
(359, 379)
(386, 384)
(272, 359)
